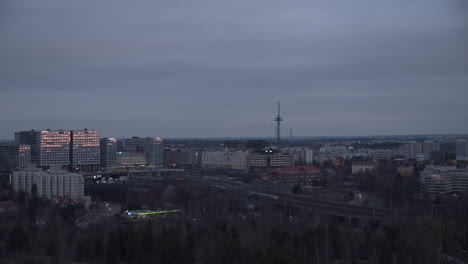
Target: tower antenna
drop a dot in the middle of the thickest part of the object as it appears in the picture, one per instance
(278, 120)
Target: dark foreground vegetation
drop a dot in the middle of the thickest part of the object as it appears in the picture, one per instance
(216, 227)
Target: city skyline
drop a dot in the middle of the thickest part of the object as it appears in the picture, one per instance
(217, 69)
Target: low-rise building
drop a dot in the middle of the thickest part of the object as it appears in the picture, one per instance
(224, 160)
(131, 159)
(269, 159)
(362, 167)
(444, 180)
(302, 174)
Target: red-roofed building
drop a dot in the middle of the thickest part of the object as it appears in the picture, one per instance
(303, 174)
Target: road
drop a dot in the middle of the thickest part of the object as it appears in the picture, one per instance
(305, 202)
(103, 211)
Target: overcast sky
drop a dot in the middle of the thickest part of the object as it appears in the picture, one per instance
(217, 68)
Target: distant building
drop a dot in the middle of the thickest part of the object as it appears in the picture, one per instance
(187, 158)
(152, 147)
(336, 150)
(14, 156)
(84, 150)
(444, 180)
(362, 167)
(430, 146)
(301, 155)
(461, 149)
(76, 149)
(381, 154)
(321, 158)
(131, 159)
(50, 184)
(224, 159)
(48, 147)
(302, 174)
(412, 149)
(269, 159)
(108, 152)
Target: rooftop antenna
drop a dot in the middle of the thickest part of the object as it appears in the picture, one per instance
(278, 120)
(290, 134)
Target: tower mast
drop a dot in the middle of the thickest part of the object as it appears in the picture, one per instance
(278, 120)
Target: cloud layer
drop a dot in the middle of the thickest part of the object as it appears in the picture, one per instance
(217, 68)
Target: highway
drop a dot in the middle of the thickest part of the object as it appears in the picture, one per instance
(308, 203)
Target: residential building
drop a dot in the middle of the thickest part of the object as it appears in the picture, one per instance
(362, 167)
(297, 174)
(108, 152)
(269, 159)
(381, 154)
(14, 156)
(84, 150)
(301, 155)
(336, 150)
(50, 184)
(224, 159)
(188, 158)
(321, 158)
(430, 146)
(152, 147)
(444, 180)
(461, 149)
(412, 149)
(48, 147)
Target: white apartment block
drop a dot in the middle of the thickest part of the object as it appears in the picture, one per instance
(50, 184)
(444, 179)
(301, 155)
(337, 150)
(224, 159)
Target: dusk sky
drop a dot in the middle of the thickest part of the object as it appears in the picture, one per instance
(217, 68)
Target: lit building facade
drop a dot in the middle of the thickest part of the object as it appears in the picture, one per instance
(84, 150)
(50, 184)
(48, 147)
(14, 157)
(108, 153)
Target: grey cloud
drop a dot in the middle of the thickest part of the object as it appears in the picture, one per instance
(216, 68)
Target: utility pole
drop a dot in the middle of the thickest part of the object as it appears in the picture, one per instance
(278, 120)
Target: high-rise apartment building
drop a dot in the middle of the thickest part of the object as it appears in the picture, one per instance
(14, 156)
(48, 147)
(78, 149)
(50, 184)
(152, 147)
(108, 152)
(84, 150)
